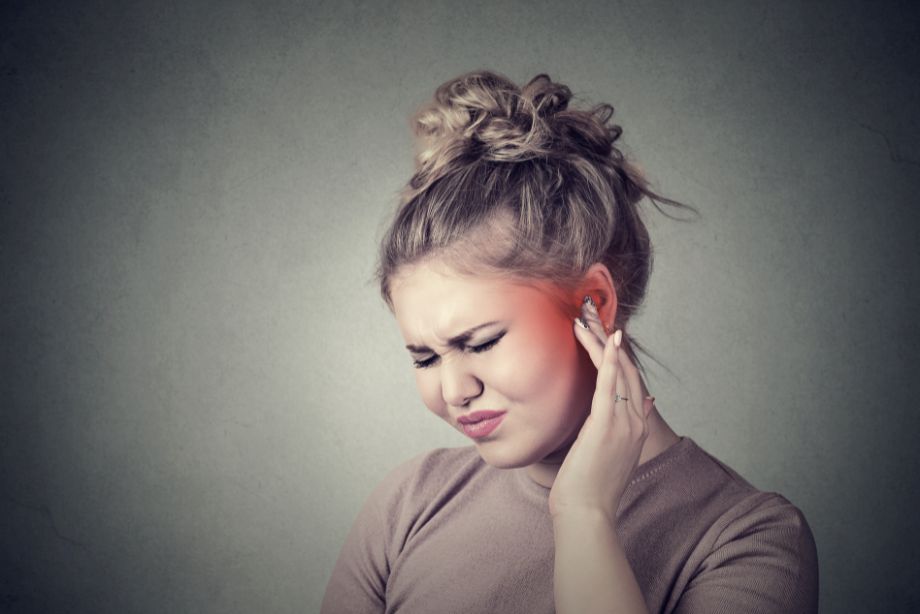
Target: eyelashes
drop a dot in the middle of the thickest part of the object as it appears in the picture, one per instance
(424, 364)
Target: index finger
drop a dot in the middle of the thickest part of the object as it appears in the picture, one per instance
(631, 373)
(593, 344)
(602, 404)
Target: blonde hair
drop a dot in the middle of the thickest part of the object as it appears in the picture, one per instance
(510, 181)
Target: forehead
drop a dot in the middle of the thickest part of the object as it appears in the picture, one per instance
(433, 296)
(434, 280)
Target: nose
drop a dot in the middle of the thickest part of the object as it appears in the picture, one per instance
(458, 385)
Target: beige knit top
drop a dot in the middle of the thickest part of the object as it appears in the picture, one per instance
(444, 532)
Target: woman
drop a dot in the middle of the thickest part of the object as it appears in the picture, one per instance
(512, 267)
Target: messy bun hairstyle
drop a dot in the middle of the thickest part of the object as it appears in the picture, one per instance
(510, 181)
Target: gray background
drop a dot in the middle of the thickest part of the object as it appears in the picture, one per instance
(200, 385)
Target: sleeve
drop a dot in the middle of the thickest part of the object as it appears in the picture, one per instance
(764, 560)
(359, 578)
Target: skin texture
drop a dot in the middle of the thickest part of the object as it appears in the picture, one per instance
(558, 382)
(536, 372)
(541, 372)
(591, 571)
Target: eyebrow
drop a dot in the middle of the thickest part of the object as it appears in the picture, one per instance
(453, 341)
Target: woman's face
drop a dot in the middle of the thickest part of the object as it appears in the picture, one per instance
(521, 358)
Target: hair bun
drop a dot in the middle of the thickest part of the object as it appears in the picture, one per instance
(485, 115)
(513, 182)
(547, 97)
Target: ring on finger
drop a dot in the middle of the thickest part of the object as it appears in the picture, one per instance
(619, 398)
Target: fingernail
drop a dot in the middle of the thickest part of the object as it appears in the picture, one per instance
(589, 303)
(650, 398)
(617, 337)
(581, 322)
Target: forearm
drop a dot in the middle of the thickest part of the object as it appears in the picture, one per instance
(591, 572)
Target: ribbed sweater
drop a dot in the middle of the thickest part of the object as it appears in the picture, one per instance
(445, 532)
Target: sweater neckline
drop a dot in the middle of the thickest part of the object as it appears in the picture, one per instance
(642, 473)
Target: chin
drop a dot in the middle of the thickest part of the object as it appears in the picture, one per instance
(505, 454)
(501, 456)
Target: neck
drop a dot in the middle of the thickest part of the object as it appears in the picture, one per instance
(660, 438)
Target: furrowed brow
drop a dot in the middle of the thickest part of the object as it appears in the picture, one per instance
(453, 341)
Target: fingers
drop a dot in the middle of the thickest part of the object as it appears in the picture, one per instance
(621, 408)
(593, 337)
(617, 375)
(637, 404)
(593, 319)
(591, 342)
(602, 405)
(631, 374)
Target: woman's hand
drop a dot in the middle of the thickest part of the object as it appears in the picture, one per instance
(597, 467)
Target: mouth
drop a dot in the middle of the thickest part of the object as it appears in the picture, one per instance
(479, 416)
(483, 426)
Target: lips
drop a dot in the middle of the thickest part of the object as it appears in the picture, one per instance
(479, 416)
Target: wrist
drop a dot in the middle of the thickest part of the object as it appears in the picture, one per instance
(583, 517)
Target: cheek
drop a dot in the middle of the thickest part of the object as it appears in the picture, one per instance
(544, 367)
(429, 389)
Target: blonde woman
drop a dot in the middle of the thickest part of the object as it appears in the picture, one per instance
(512, 267)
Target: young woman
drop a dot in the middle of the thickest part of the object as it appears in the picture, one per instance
(513, 265)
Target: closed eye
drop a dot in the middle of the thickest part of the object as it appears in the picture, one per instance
(427, 362)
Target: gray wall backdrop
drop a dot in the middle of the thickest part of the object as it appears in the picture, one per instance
(200, 386)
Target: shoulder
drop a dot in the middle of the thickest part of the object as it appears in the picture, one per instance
(686, 481)
(742, 504)
(394, 510)
(745, 514)
(402, 496)
(709, 469)
(760, 557)
(767, 523)
(758, 552)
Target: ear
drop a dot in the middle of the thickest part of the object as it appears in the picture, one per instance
(598, 284)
